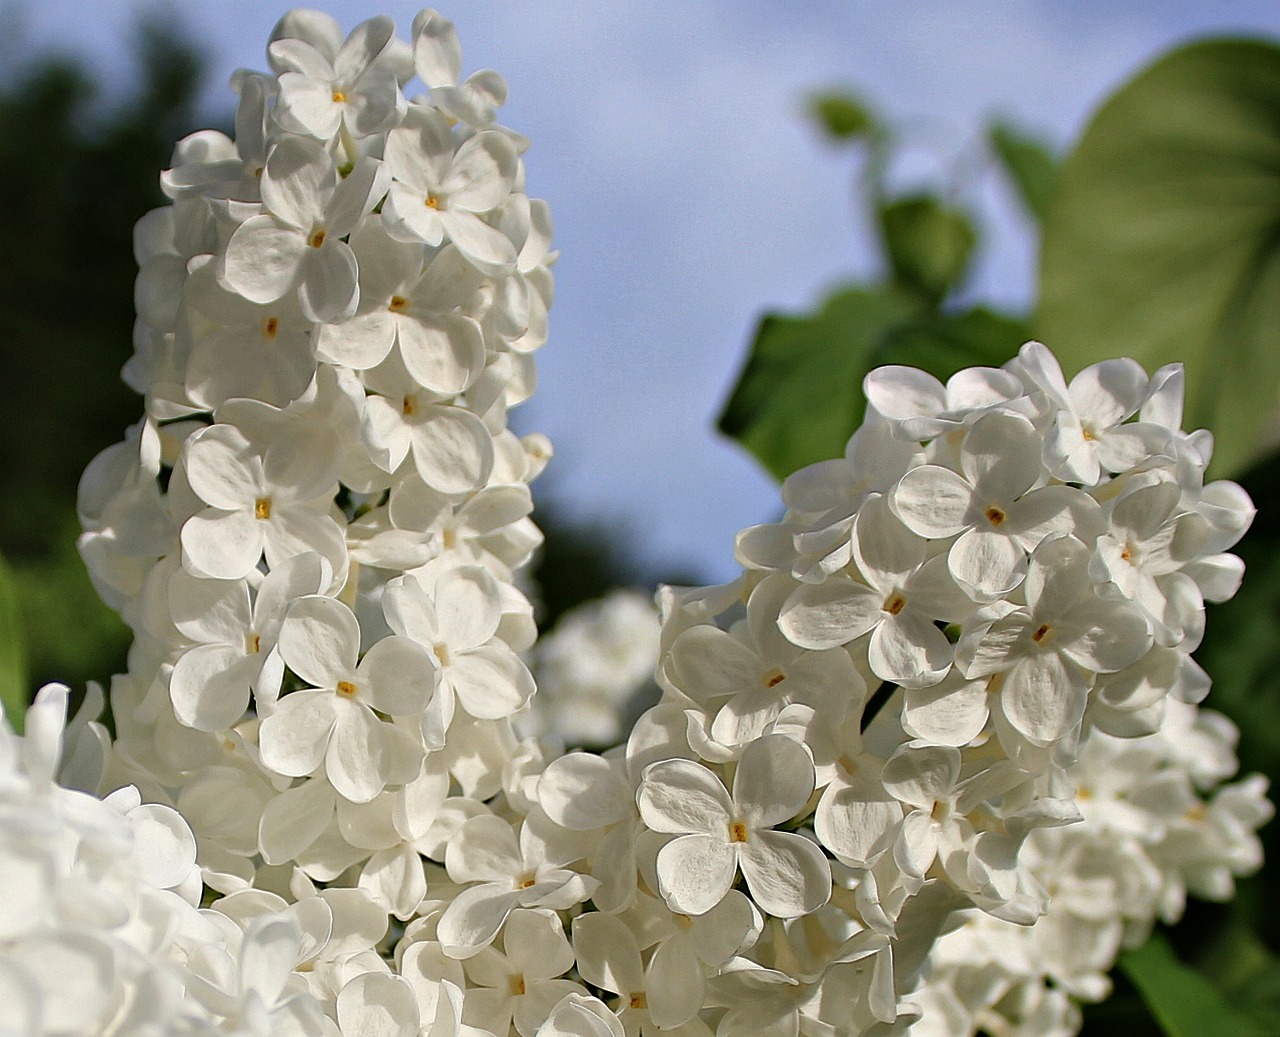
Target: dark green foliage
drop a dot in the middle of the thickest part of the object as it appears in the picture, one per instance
(13, 653)
(78, 174)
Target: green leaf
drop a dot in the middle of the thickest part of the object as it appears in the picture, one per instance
(1028, 164)
(799, 398)
(13, 656)
(929, 244)
(840, 115)
(1183, 1002)
(1162, 240)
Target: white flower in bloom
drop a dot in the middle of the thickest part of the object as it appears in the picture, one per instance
(334, 723)
(993, 506)
(236, 641)
(521, 984)
(458, 623)
(1090, 433)
(279, 503)
(716, 833)
(402, 304)
(904, 593)
(1048, 651)
(357, 87)
(508, 874)
(439, 191)
(298, 242)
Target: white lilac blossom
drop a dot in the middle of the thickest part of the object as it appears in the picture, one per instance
(923, 767)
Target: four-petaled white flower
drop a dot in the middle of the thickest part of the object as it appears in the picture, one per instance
(716, 834)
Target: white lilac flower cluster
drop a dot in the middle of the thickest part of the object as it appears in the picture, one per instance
(314, 529)
(1157, 823)
(872, 732)
(314, 534)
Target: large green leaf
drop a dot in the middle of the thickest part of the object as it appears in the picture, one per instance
(1181, 999)
(1162, 241)
(13, 656)
(799, 398)
(1028, 164)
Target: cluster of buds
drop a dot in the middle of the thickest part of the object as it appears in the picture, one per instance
(315, 534)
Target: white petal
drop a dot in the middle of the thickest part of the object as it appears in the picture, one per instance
(452, 449)
(695, 872)
(292, 741)
(376, 1004)
(491, 682)
(1043, 697)
(933, 501)
(830, 614)
(682, 796)
(262, 259)
(786, 873)
(773, 782)
(320, 640)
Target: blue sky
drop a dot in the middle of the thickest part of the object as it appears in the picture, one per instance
(690, 196)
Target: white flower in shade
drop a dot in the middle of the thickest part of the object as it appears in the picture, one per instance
(356, 88)
(333, 723)
(591, 667)
(1136, 558)
(689, 948)
(580, 1016)
(280, 504)
(718, 833)
(508, 874)
(241, 348)
(855, 818)
(440, 190)
(609, 958)
(1049, 651)
(1091, 434)
(993, 506)
(298, 240)
(257, 989)
(235, 641)
(905, 591)
(472, 531)
(520, 984)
